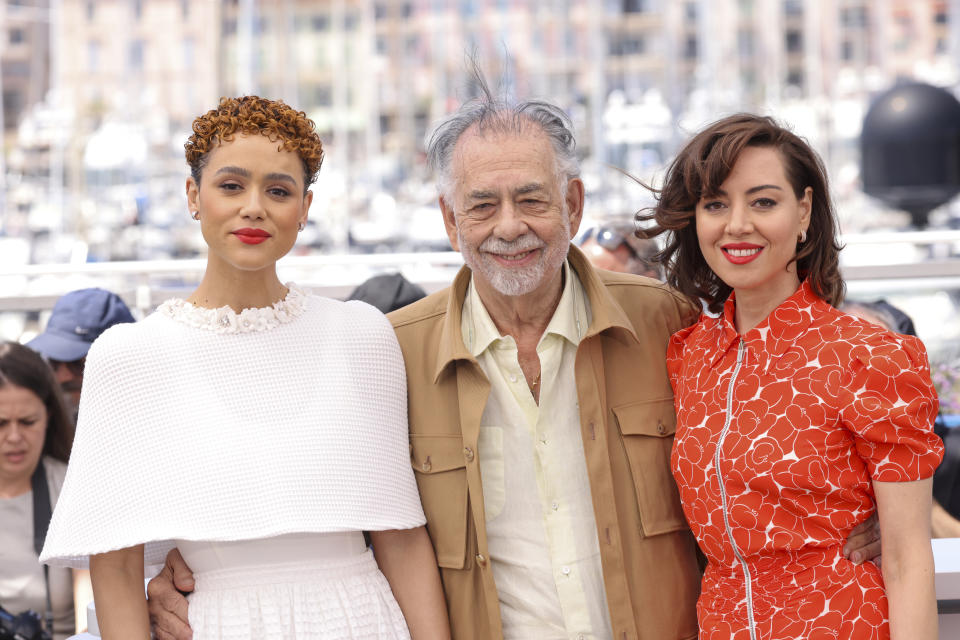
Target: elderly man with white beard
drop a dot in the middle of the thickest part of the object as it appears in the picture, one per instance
(541, 415)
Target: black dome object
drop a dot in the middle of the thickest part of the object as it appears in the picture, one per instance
(910, 148)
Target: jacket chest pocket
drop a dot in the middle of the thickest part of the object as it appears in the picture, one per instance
(440, 468)
(648, 429)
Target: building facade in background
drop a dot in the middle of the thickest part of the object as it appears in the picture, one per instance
(24, 57)
(127, 76)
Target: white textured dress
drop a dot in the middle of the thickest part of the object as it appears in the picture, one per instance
(262, 444)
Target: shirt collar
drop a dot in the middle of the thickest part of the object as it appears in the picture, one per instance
(570, 319)
(777, 332)
(572, 316)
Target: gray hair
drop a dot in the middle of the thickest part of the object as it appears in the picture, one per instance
(489, 113)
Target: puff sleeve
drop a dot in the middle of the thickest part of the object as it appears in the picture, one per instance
(889, 406)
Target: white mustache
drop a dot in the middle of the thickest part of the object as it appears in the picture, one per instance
(526, 242)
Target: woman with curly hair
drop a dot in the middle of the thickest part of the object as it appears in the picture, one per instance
(795, 422)
(256, 428)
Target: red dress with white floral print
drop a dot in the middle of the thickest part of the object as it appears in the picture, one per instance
(779, 435)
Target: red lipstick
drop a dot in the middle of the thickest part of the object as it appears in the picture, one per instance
(741, 252)
(251, 236)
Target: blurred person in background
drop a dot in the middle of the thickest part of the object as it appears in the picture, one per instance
(78, 318)
(35, 438)
(615, 247)
(946, 481)
(871, 313)
(252, 429)
(883, 313)
(387, 292)
(795, 421)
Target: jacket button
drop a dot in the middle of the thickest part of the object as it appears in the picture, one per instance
(426, 466)
(481, 560)
(468, 454)
(660, 428)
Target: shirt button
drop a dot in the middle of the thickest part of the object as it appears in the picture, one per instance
(513, 377)
(555, 506)
(543, 441)
(468, 454)
(565, 571)
(481, 560)
(580, 636)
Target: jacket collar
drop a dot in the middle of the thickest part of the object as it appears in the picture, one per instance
(452, 347)
(606, 313)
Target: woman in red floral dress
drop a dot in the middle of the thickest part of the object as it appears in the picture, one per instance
(795, 421)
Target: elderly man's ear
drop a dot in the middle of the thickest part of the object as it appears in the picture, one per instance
(574, 198)
(449, 222)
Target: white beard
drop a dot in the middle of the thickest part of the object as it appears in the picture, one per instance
(519, 280)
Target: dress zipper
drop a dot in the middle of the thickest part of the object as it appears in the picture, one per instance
(723, 491)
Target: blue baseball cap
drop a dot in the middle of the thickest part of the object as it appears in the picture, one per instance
(78, 318)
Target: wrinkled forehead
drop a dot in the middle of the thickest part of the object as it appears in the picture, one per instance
(521, 149)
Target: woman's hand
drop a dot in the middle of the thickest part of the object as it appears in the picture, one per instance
(904, 510)
(118, 590)
(407, 559)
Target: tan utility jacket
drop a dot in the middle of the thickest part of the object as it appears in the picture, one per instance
(627, 423)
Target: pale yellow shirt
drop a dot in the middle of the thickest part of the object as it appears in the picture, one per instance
(541, 531)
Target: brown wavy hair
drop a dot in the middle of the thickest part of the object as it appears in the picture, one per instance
(699, 170)
(255, 115)
(21, 366)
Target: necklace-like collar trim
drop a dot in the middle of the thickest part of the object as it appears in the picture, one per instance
(226, 320)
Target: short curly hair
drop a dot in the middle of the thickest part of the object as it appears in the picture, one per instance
(255, 115)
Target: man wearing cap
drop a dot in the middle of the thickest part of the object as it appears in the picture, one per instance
(78, 319)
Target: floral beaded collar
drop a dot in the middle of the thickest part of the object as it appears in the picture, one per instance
(226, 320)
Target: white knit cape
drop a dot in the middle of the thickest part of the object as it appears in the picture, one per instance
(189, 433)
